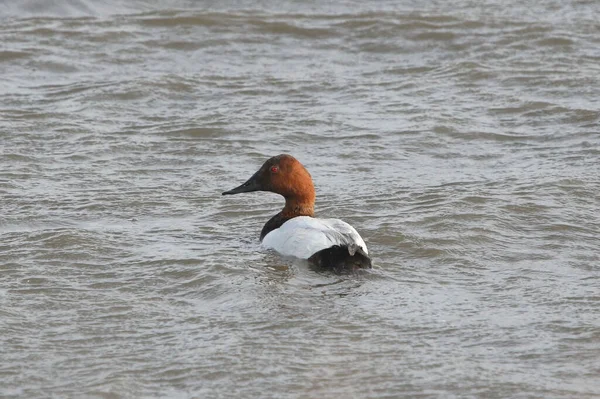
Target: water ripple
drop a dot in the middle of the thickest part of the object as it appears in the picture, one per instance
(459, 139)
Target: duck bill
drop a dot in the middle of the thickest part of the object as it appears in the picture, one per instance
(251, 185)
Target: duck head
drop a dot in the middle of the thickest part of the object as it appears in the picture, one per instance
(284, 175)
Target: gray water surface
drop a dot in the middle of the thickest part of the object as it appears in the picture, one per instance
(461, 139)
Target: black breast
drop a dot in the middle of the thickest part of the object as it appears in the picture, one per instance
(274, 223)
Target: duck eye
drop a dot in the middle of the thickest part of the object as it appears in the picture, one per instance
(274, 169)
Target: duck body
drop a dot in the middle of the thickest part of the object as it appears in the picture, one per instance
(329, 243)
(303, 236)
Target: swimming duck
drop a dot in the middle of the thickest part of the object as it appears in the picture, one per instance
(295, 231)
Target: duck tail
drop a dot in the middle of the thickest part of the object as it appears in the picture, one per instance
(340, 258)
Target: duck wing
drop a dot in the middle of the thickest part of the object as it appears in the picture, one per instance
(304, 236)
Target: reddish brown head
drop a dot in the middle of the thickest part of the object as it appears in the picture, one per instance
(284, 175)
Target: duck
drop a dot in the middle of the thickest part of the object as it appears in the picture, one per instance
(295, 231)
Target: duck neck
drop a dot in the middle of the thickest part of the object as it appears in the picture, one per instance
(298, 207)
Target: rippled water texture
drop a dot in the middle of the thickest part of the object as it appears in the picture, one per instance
(460, 138)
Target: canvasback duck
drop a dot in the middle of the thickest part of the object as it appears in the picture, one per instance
(295, 231)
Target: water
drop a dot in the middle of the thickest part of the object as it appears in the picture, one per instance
(461, 140)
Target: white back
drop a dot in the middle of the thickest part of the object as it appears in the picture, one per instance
(304, 236)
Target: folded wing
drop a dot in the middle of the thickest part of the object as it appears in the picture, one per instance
(304, 236)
